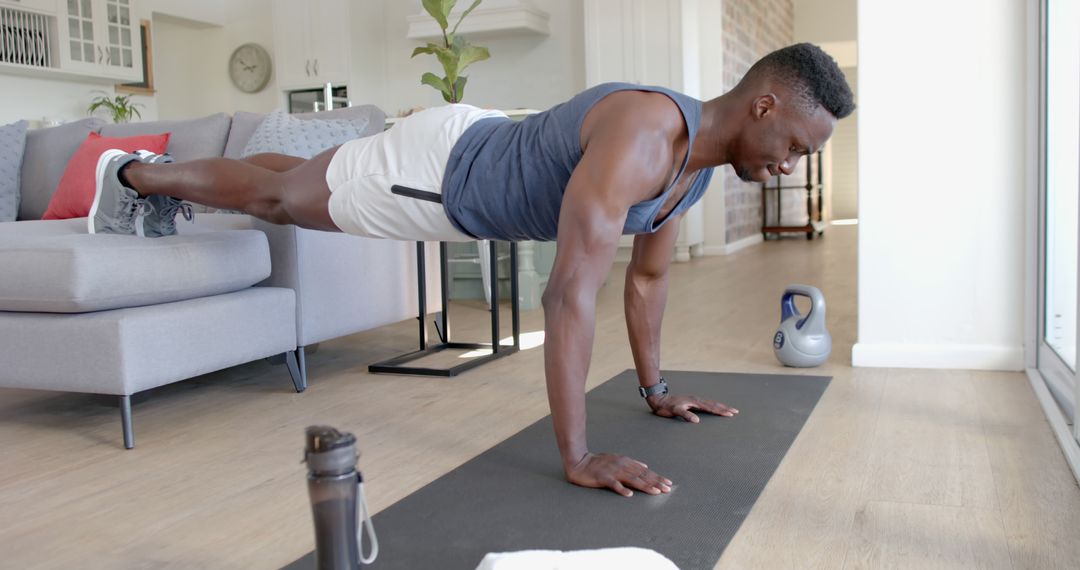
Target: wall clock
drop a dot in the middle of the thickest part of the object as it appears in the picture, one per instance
(250, 68)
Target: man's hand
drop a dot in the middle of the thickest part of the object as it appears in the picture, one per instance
(670, 406)
(618, 473)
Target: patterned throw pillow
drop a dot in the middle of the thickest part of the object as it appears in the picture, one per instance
(282, 133)
(12, 144)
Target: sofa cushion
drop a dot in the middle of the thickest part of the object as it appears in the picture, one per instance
(12, 143)
(284, 134)
(77, 187)
(190, 139)
(55, 266)
(244, 124)
(44, 160)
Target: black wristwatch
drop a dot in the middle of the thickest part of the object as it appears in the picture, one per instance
(658, 388)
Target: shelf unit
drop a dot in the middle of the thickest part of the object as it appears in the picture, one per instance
(815, 205)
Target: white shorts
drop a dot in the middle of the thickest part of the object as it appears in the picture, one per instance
(390, 185)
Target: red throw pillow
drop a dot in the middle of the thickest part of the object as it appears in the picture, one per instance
(77, 186)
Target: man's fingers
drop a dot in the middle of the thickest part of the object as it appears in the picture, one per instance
(718, 408)
(689, 416)
(648, 482)
(620, 489)
(713, 407)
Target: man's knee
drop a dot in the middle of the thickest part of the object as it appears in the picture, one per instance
(307, 209)
(274, 162)
(272, 211)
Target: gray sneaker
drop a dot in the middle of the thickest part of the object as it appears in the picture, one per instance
(161, 220)
(116, 209)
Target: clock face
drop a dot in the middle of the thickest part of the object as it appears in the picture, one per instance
(250, 68)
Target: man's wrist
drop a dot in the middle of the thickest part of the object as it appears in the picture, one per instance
(659, 387)
(655, 393)
(573, 459)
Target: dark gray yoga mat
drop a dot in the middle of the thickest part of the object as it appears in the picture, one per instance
(514, 497)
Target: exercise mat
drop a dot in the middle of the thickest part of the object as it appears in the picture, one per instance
(514, 496)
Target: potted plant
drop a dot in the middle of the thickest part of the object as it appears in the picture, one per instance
(121, 107)
(455, 53)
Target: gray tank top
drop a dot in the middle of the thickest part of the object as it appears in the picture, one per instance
(505, 179)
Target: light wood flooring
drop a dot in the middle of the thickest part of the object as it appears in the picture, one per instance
(894, 469)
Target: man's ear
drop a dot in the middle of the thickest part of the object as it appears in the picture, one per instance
(764, 105)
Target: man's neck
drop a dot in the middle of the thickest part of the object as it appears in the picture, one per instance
(719, 124)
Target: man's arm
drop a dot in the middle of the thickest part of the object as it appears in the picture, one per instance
(643, 301)
(620, 168)
(645, 294)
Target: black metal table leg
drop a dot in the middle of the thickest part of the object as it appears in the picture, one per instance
(493, 269)
(515, 298)
(399, 364)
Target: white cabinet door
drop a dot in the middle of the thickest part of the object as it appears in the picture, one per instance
(609, 42)
(119, 39)
(80, 40)
(330, 34)
(311, 42)
(292, 52)
(100, 38)
(637, 41)
(658, 39)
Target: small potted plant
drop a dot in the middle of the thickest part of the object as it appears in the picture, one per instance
(120, 107)
(455, 53)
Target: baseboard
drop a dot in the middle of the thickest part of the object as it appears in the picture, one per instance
(946, 356)
(1069, 446)
(730, 248)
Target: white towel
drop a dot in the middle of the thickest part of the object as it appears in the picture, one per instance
(628, 558)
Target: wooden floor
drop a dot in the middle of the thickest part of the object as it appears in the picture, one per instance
(894, 469)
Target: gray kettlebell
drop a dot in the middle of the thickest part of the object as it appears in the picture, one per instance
(802, 341)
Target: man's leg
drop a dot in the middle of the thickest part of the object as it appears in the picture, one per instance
(295, 194)
(274, 161)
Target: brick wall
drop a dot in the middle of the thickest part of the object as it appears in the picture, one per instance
(751, 29)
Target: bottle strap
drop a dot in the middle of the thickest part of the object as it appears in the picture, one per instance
(364, 519)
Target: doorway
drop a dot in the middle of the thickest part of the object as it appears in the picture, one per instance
(1059, 211)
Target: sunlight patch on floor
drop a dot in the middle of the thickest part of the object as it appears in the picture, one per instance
(529, 340)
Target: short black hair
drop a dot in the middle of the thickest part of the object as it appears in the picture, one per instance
(812, 74)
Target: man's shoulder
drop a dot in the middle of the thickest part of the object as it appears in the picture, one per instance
(642, 113)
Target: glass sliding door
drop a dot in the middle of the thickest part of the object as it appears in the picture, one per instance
(1059, 208)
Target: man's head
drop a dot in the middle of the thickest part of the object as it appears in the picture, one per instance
(790, 100)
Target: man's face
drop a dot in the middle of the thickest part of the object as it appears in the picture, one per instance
(777, 137)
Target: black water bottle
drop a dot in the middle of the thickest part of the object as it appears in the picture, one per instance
(332, 485)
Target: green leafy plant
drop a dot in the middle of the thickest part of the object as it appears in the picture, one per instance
(455, 53)
(121, 107)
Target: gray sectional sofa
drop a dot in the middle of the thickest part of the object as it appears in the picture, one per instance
(118, 315)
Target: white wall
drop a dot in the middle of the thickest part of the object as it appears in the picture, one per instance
(842, 182)
(199, 12)
(941, 235)
(182, 53)
(36, 99)
(524, 71)
(191, 60)
(712, 85)
(825, 21)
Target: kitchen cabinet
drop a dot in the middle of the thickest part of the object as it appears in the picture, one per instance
(311, 42)
(100, 38)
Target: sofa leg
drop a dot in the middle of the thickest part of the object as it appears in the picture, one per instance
(297, 368)
(125, 422)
